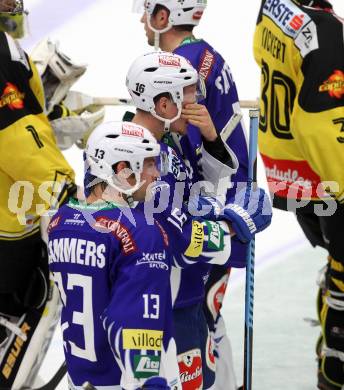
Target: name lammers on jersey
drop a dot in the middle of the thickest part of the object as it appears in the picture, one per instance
(77, 251)
(273, 45)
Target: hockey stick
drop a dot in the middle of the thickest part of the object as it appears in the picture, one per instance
(249, 104)
(249, 288)
(76, 101)
(55, 380)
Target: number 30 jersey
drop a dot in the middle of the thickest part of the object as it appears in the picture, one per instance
(300, 51)
(113, 273)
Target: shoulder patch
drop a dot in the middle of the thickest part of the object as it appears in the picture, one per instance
(307, 39)
(121, 232)
(53, 224)
(286, 15)
(206, 64)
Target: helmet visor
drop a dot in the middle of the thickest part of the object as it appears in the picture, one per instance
(13, 18)
(161, 163)
(201, 91)
(195, 95)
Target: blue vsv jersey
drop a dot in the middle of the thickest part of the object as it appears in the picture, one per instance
(196, 243)
(221, 101)
(112, 270)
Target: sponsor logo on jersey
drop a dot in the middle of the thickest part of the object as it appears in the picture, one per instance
(288, 17)
(307, 39)
(197, 238)
(53, 224)
(12, 98)
(163, 232)
(76, 221)
(14, 352)
(131, 130)
(297, 22)
(206, 65)
(146, 366)
(215, 236)
(165, 60)
(154, 260)
(291, 179)
(334, 85)
(119, 231)
(142, 339)
(190, 370)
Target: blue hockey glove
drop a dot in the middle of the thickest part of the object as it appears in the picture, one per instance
(155, 383)
(250, 213)
(207, 207)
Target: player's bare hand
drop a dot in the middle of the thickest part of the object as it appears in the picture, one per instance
(198, 115)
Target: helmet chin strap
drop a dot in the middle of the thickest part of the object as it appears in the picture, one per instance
(156, 41)
(156, 31)
(167, 122)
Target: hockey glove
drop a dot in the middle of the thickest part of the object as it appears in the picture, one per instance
(207, 207)
(251, 213)
(69, 127)
(155, 383)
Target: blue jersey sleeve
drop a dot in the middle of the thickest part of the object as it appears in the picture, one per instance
(221, 100)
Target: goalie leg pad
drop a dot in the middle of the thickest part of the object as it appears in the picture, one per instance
(332, 321)
(20, 358)
(28, 310)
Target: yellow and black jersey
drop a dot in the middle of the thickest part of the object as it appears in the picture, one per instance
(300, 51)
(33, 172)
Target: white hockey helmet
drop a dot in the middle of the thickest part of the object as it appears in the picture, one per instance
(12, 17)
(57, 70)
(113, 142)
(160, 72)
(182, 12)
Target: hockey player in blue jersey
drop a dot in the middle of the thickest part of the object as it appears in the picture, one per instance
(169, 25)
(112, 269)
(106, 268)
(161, 84)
